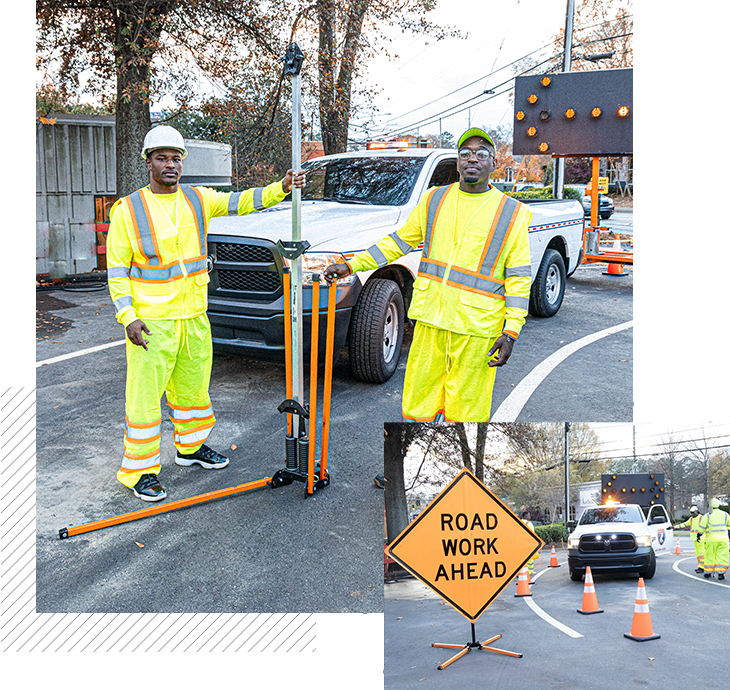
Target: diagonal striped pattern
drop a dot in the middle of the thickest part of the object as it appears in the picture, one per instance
(23, 630)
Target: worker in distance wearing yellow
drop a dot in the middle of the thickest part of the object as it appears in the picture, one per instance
(471, 295)
(697, 539)
(715, 526)
(527, 521)
(158, 280)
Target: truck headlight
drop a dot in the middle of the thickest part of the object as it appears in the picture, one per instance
(316, 262)
(573, 542)
(643, 540)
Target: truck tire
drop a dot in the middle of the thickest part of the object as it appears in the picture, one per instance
(376, 331)
(548, 287)
(575, 574)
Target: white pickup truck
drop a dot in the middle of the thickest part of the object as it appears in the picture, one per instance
(351, 201)
(619, 537)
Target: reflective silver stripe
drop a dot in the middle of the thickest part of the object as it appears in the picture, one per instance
(192, 196)
(142, 434)
(518, 272)
(122, 302)
(183, 415)
(168, 273)
(192, 437)
(130, 464)
(433, 204)
(402, 244)
(379, 257)
(258, 195)
(500, 232)
(117, 272)
(143, 225)
(478, 283)
(516, 302)
(233, 203)
(430, 269)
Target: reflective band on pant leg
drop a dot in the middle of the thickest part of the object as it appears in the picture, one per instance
(191, 411)
(147, 375)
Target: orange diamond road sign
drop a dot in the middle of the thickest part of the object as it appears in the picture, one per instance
(466, 545)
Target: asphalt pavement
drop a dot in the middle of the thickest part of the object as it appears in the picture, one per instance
(269, 549)
(690, 614)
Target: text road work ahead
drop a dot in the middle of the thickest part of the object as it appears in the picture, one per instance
(477, 544)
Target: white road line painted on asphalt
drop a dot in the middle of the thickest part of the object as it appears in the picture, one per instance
(516, 400)
(78, 353)
(546, 617)
(549, 619)
(701, 578)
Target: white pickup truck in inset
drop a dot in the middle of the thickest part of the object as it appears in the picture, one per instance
(351, 201)
(619, 537)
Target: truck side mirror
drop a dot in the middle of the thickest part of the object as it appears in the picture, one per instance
(658, 520)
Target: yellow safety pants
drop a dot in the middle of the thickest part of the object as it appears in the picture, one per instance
(177, 362)
(699, 551)
(447, 373)
(717, 556)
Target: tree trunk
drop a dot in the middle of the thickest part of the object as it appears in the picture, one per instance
(396, 507)
(137, 32)
(335, 75)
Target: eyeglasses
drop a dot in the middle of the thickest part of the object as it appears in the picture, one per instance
(481, 154)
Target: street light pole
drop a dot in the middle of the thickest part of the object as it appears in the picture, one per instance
(559, 177)
(567, 475)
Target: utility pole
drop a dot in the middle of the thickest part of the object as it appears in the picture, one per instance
(559, 176)
(567, 475)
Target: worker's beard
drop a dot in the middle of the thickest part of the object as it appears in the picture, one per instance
(471, 179)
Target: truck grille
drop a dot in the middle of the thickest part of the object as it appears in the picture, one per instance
(607, 543)
(247, 266)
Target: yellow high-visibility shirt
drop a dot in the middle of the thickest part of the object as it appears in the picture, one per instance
(174, 285)
(471, 283)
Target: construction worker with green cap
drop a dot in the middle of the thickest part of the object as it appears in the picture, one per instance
(157, 264)
(472, 291)
(697, 539)
(715, 526)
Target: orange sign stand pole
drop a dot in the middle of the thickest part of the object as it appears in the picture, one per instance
(466, 648)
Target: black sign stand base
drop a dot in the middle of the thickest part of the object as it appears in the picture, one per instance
(465, 648)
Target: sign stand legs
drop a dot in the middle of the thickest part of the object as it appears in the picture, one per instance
(474, 644)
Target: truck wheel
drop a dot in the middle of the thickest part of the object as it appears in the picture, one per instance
(548, 288)
(649, 572)
(376, 331)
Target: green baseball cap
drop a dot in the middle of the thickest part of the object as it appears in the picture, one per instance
(475, 132)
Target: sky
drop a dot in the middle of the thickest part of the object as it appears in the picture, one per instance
(494, 35)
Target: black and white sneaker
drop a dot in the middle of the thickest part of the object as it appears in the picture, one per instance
(148, 488)
(204, 456)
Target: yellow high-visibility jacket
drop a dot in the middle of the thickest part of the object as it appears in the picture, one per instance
(693, 523)
(475, 274)
(157, 248)
(715, 526)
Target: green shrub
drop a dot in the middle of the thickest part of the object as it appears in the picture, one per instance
(552, 534)
(545, 193)
(571, 193)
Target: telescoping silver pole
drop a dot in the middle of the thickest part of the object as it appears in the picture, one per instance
(292, 67)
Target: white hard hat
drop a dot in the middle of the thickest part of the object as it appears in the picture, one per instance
(693, 509)
(163, 137)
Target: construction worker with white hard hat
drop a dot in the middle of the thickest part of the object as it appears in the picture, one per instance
(715, 526)
(697, 539)
(157, 261)
(472, 292)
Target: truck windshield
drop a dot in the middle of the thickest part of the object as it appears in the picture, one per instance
(386, 181)
(592, 516)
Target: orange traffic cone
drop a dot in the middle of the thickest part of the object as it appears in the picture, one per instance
(553, 559)
(641, 627)
(677, 549)
(590, 603)
(616, 269)
(523, 589)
